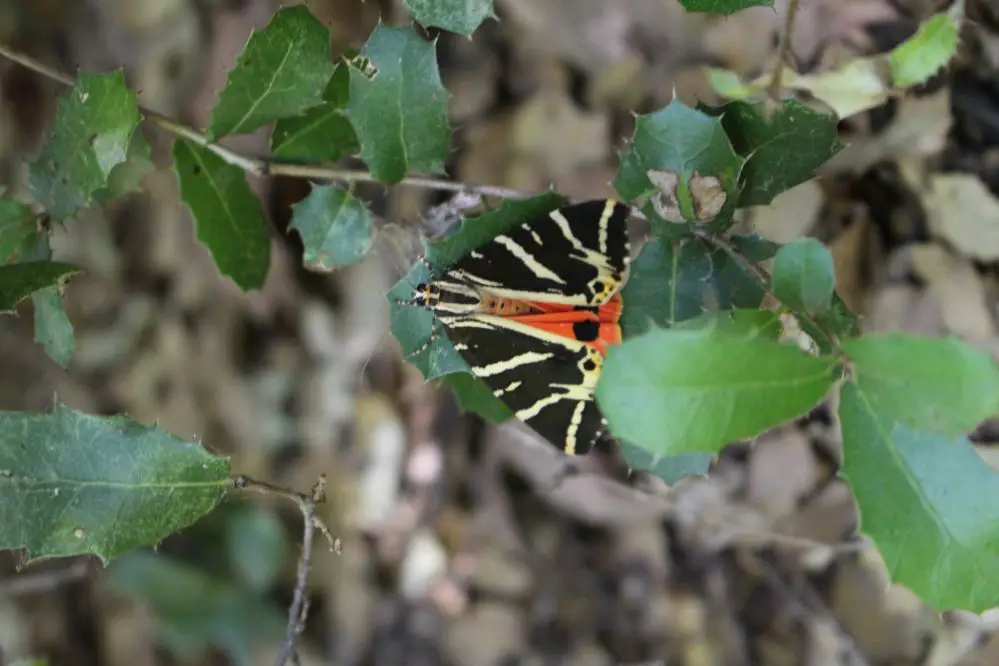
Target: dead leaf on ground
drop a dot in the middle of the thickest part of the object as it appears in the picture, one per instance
(963, 211)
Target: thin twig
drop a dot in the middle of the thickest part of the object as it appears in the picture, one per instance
(785, 49)
(263, 166)
(308, 505)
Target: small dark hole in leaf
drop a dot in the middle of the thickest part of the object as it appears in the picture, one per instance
(196, 170)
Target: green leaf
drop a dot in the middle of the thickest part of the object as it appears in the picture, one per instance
(17, 225)
(127, 176)
(754, 248)
(195, 611)
(921, 56)
(335, 227)
(942, 385)
(751, 323)
(723, 6)
(53, 329)
(782, 151)
(323, 133)
(930, 504)
(282, 72)
(803, 277)
(681, 141)
(668, 468)
(227, 214)
(91, 134)
(257, 546)
(18, 281)
(474, 396)
(400, 110)
(671, 281)
(673, 392)
(459, 16)
(73, 484)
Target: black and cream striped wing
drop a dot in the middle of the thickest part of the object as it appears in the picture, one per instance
(576, 255)
(548, 381)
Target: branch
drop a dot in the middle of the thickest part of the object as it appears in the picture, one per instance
(307, 504)
(785, 48)
(264, 166)
(36, 582)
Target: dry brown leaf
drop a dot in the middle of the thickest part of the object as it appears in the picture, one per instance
(963, 211)
(791, 215)
(958, 288)
(558, 136)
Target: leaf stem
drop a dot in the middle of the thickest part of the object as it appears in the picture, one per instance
(264, 166)
(785, 48)
(308, 504)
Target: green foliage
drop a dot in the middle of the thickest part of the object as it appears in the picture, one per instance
(282, 72)
(921, 56)
(803, 276)
(398, 106)
(927, 503)
(701, 365)
(944, 386)
(782, 151)
(697, 390)
(723, 6)
(195, 610)
(53, 329)
(74, 484)
(18, 281)
(335, 227)
(90, 136)
(681, 141)
(257, 547)
(17, 226)
(460, 16)
(323, 133)
(227, 214)
(675, 280)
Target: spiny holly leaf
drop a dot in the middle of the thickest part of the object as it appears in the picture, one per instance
(942, 385)
(929, 503)
(53, 329)
(803, 277)
(921, 56)
(127, 176)
(18, 281)
(412, 326)
(752, 323)
(335, 227)
(282, 72)
(668, 468)
(398, 106)
(723, 6)
(782, 151)
(671, 281)
(90, 136)
(72, 483)
(17, 225)
(699, 390)
(323, 133)
(459, 16)
(683, 145)
(474, 396)
(227, 214)
(195, 610)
